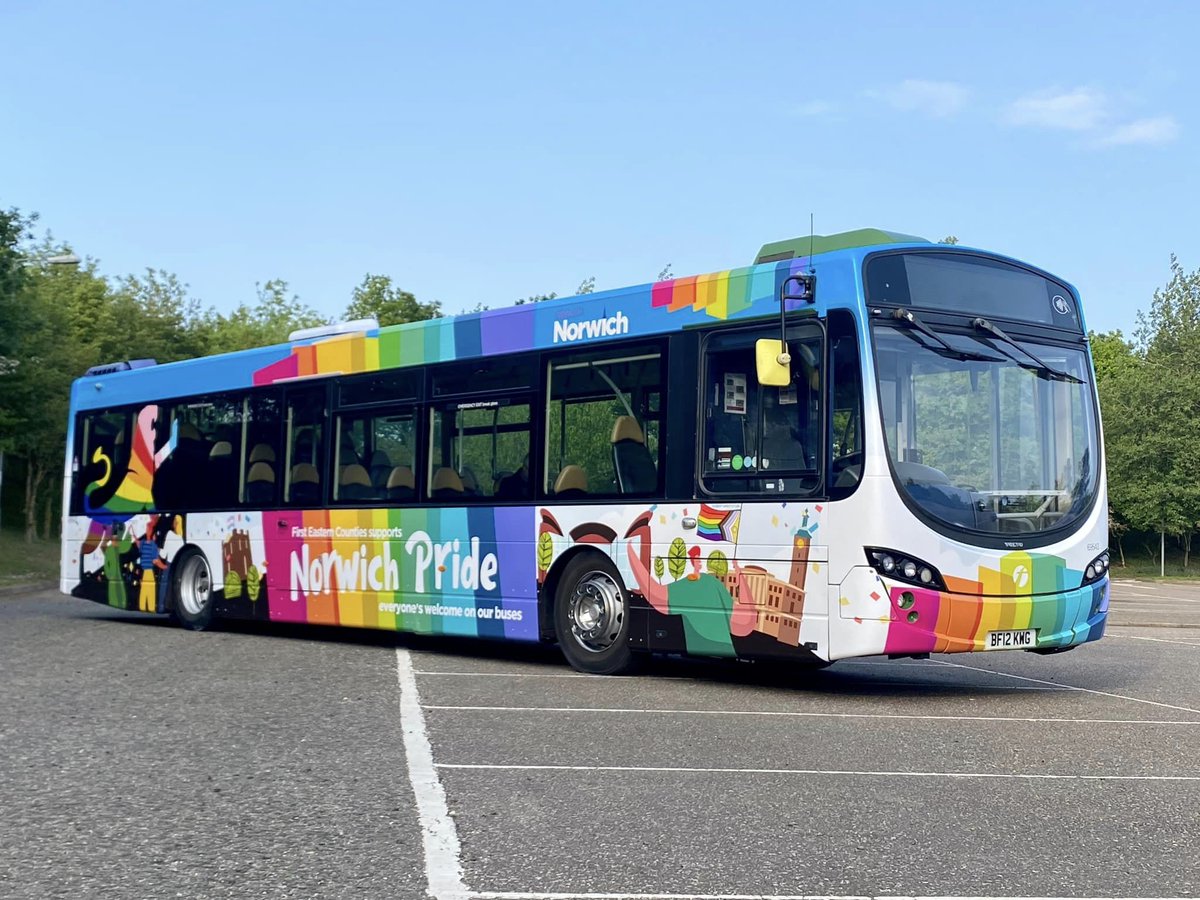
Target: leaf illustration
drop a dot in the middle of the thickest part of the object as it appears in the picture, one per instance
(545, 551)
(253, 583)
(677, 558)
(659, 567)
(233, 585)
(718, 564)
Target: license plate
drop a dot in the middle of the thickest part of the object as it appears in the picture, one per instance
(1010, 640)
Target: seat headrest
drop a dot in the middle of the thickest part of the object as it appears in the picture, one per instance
(380, 458)
(261, 471)
(220, 449)
(189, 432)
(571, 478)
(402, 476)
(305, 473)
(355, 474)
(626, 428)
(262, 453)
(446, 479)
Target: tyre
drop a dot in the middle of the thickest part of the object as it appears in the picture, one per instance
(191, 591)
(591, 617)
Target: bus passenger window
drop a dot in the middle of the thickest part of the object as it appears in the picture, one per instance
(476, 449)
(757, 438)
(375, 455)
(305, 457)
(603, 419)
(105, 456)
(257, 475)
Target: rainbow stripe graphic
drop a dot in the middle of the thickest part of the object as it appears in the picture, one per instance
(663, 306)
(133, 492)
(431, 571)
(717, 524)
(1029, 590)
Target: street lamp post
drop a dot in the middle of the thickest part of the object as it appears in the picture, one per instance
(62, 259)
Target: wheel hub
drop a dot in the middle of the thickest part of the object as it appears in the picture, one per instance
(596, 612)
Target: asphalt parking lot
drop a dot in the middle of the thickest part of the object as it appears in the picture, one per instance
(260, 761)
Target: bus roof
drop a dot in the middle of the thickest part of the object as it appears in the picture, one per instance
(649, 309)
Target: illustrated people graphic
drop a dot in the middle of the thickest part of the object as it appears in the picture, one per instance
(151, 561)
(115, 546)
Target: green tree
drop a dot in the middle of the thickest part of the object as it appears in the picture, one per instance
(378, 298)
(536, 298)
(949, 239)
(1152, 413)
(587, 286)
(15, 231)
(1120, 377)
(275, 314)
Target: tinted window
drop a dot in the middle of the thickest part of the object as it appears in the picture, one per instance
(960, 282)
(603, 422)
(759, 438)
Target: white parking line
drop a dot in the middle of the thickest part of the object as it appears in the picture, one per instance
(1137, 637)
(1187, 709)
(1148, 594)
(597, 710)
(864, 773)
(534, 895)
(443, 869)
(423, 672)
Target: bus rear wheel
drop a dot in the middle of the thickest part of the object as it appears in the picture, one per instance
(191, 591)
(591, 617)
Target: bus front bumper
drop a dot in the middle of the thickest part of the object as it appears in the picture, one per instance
(927, 621)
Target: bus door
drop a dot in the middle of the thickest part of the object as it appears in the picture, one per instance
(757, 531)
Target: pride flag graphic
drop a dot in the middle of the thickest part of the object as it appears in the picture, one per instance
(717, 524)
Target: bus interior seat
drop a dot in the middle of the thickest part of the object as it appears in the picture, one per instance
(355, 484)
(306, 483)
(446, 485)
(636, 471)
(401, 484)
(260, 483)
(381, 468)
(222, 469)
(262, 453)
(571, 483)
(469, 481)
(514, 486)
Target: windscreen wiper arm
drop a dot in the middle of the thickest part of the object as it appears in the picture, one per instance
(910, 318)
(984, 325)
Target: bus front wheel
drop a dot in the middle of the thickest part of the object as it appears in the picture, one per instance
(191, 591)
(591, 617)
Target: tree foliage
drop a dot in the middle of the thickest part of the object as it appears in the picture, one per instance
(1150, 395)
(275, 314)
(378, 298)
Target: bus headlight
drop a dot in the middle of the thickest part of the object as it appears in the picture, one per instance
(903, 567)
(1096, 569)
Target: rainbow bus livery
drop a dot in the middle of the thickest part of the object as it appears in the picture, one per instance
(862, 444)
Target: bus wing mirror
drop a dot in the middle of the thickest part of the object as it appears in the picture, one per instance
(773, 363)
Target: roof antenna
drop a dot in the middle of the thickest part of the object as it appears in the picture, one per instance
(811, 267)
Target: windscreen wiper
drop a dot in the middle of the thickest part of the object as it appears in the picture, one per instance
(910, 318)
(1040, 367)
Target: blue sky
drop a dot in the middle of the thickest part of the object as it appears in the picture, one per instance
(484, 152)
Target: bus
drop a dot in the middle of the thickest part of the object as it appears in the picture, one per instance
(862, 444)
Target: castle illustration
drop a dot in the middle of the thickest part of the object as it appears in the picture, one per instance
(779, 604)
